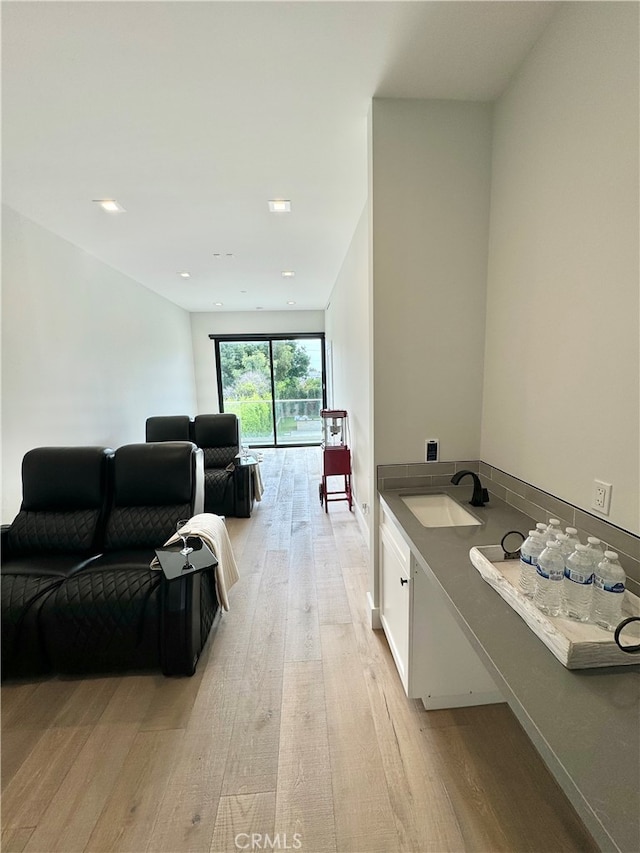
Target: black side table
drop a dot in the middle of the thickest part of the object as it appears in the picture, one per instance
(180, 601)
(244, 485)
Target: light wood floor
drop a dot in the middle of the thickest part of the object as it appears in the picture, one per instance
(295, 726)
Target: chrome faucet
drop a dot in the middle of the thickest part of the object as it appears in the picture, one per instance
(480, 495)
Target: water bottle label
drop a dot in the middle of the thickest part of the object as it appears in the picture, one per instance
(578, 577)
(528, 559)
(608, 587)
(600, 583)
(542, 572)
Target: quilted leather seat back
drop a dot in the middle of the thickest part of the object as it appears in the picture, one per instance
(219, 457)
(64, 498)
(168, 428)
(154, 485)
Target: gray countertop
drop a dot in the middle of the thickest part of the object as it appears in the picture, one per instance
(584, 723)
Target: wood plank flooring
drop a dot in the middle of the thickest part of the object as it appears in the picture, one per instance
(294, 733)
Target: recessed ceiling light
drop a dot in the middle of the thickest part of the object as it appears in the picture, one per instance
(218, 304)
(288, 273)
(279, 205)
(184, 274)
(110, 205)
(291, 302)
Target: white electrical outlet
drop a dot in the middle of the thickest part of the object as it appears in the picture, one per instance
(601, 496)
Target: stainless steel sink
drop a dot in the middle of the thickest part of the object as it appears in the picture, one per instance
(439, 510)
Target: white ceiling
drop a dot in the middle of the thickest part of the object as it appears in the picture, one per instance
(193, 114)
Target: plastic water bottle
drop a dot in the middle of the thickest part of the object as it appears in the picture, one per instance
(553, 528)
(608, 592)
(572, 533)
(595, 551)
(548, 594)
(577, 586)
(541, 527)
(530, 550)
(565, 545)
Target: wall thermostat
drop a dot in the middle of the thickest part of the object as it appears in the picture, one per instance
(431, 450)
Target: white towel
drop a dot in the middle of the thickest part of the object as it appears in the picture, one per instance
(213, 532)
(258, 486)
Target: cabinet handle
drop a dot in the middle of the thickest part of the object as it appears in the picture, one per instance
(403, 581)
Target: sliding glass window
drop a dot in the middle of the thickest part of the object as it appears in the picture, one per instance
(275, 384)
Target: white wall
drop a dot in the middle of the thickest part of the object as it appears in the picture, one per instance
(562, 378)
(238, 323)
(87, 353)
(430, 197)
(348, 335)
(429, 192)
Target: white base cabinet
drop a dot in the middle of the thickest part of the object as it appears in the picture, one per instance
(435, 660)
(396, 596)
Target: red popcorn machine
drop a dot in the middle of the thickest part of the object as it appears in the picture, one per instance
(336, 456)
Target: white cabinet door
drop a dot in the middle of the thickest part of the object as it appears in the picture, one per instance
(447, 672)
(395, 594)
(434, 658)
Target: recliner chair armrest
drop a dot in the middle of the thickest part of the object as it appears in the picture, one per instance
(198, 491)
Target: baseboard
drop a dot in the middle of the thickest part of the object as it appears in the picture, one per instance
(374, 612)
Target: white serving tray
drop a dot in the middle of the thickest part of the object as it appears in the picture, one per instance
(577, 645)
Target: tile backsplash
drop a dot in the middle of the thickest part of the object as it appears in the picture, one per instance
(537, 504)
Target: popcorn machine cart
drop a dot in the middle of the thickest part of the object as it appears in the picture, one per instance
(336, 456)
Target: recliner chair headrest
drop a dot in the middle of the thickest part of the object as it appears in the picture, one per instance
(156, 474)
(168, 428)
(216, 430)
(64, 478)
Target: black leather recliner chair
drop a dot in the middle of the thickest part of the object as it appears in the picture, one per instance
(105, 609)
(219, 437)
(227, 491)
(109, 616)
(57, 532)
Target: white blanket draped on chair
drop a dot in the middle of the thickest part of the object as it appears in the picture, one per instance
(213, 532)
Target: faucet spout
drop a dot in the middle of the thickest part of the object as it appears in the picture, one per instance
(480, 495)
